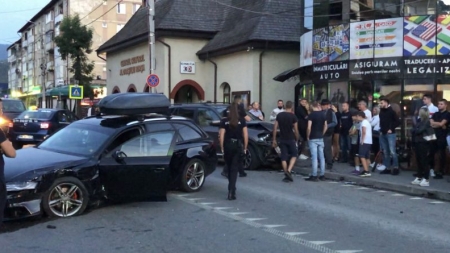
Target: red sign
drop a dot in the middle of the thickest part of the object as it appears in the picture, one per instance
(152, 80)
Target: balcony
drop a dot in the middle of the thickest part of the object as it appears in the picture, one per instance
(24, 43)
(12, 58)
(50, 66)
(49, 46)
(59, 18)
(49, 26)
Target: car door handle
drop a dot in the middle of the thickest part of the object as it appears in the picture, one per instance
(160, 169)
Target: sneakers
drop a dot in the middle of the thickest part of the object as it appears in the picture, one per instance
(395, 171)
(312, 179)
(432, 173)
(322, 178)
(438, 176)
(372, 164)
(424, 182)
(385, 172)
(365, 174)
(417, 181)
(303, 157)
(289, 176)
(355, 172)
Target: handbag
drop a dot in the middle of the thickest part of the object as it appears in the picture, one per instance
(430, 135)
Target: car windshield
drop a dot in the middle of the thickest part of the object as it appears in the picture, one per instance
(77, 139)
(13, 106)
(40, 114)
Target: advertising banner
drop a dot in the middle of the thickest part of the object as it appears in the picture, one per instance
(370, 69)
(320, 45)
(306, 49)
(423, 35)
(332, 71)
(427, 67)
(339, 42)
(376, 39)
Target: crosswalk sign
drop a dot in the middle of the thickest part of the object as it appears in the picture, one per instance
(75, 92)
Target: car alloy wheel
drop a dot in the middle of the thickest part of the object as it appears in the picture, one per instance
(251, 160)
(193, 175)
(247, 160)
(67, 197)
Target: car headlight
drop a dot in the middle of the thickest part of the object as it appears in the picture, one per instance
(20, 186)
(3, 121)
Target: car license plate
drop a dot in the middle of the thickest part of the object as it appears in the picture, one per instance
(26, 137)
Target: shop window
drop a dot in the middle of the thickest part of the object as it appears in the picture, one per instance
(419, 7)
(361, 91)
(387, 8)
(338, 93)
(320, 91)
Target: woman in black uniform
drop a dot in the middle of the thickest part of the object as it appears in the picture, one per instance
(233, 142)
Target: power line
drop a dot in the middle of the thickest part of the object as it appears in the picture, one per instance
(104, 13)
(3, 12)
(93, 10)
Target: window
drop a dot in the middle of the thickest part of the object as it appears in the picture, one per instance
(187, 113)
(119, 27)
(419, 7)
(61, 8)
(104, 25)
(157, 126)
(149, 145)
(206, 116)
(186, 132)
(65, 117)
(49, 17)
(121, 9)
(136, 7)
(226, 93)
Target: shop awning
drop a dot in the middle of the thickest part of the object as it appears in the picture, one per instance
(287, 74)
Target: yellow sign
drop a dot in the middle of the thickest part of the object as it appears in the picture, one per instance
(75, 92)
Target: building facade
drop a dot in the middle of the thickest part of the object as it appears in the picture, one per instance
(392, 48)
(209, 53)
(35, 62)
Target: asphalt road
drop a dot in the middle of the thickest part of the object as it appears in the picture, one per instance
(268, 216)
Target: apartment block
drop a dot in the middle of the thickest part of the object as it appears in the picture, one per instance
(35, 61)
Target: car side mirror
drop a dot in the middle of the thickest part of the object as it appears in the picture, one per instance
(119, 156)
(215, 123)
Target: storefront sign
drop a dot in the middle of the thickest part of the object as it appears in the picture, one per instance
(125, 70)
(427, 67)
(376, 68)
(330, 71)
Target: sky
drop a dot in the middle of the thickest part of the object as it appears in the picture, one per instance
(14, 14)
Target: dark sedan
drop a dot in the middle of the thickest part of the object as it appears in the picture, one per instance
(134, 156)
(33, 126)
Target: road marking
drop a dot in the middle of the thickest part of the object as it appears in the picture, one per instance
(415, 198)
(208, 203)
(320, 242)
(362, 188)
(274, 226)
(332, 182)
(398, 195)
(381, 191)
(348, 251)
(238, 213)
(437, 202)
(347, 185)
(296, 233)
(194, 199)
(255, 219)
(222, 208)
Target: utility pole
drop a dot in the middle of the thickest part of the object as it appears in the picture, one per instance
(43, 70)
(151, 36)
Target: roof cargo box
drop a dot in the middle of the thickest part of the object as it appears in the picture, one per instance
(133, 103)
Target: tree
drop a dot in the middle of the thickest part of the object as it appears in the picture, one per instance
(75, 42)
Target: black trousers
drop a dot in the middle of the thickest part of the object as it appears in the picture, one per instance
(438, 146)
(422, 149)
(328, 142)
(2, 195)
(233, 154)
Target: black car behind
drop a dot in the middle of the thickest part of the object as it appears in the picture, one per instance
(11, 109)
(33, 126)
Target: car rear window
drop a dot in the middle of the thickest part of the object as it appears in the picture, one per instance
(41, 114)
(13, 106)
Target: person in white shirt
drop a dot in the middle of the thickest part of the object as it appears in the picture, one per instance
(375, 132)
(362, 106)
(280, 108)
(365, 143)
(426, 99)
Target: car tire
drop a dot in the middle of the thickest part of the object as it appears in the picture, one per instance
(17, 145)
(193, 177)
(65, 198)
(251, 159)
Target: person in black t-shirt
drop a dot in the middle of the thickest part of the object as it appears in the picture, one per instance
(302, 115)
(287, 122)
(346, 124)
(7, 150)
(233, 142)
(439, 123)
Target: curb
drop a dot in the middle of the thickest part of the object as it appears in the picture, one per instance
(381, 185)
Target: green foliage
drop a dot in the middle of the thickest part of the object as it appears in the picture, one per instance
(75, 42)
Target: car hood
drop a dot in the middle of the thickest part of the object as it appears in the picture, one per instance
(267, 125)
(33, 162)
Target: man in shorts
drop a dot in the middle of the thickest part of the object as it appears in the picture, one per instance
(365, 142)
(287, 122)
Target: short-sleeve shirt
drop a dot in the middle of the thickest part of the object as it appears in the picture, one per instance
(368, 115)
(317, 119)
(438, 117)
(233, 132)
(2, 161)
(286, 121)
(368, 138)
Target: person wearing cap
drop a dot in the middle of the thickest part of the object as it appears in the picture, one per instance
(365, 142)
(330, 116)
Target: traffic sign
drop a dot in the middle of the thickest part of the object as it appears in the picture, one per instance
(75, 92)
(152, 80)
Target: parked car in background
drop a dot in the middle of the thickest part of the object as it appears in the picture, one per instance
(33, 126)
(133, 151)
(11, 109)
(208, 116)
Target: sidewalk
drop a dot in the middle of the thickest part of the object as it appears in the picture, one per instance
(438, 189)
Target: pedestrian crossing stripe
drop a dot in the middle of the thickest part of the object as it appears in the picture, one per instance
(75, 92)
